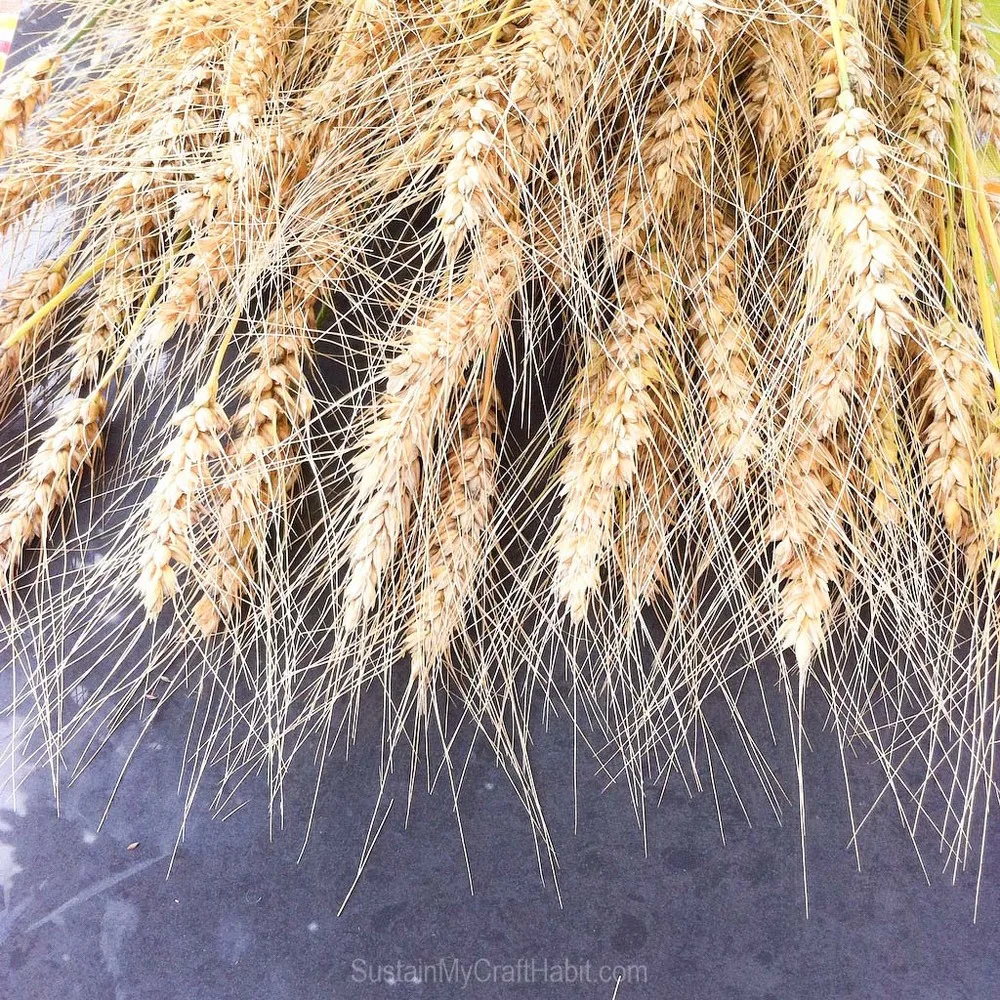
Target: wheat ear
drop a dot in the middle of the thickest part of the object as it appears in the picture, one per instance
(457, 548)
(809, 527)
(952, 390)
(174, 503)
(22, 300)
(260, 39)
(652, 504)
(70, 443)
(724, 341)
(774, 92)
(21, 95)
(262, 455)
(614, 403)
(74, 127)
(677, 127)
(422, 379)
(420, 382)
(857, 283)
(504, 117)
(979, 74)
(927, 112)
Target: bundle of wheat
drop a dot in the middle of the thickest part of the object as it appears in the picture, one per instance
(474, 343)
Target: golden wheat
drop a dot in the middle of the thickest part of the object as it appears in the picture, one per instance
(21, 95)
(457, 547)
(731, 271)
(614, 406)
(43, 486)
(262, 467)
(174, 504)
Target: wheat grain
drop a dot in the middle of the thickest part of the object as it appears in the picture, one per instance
(688, 19)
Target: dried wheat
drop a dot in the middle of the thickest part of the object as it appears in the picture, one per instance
(43, 486)
(857, 280)
(979, 74)
(927, 111)
(258, 48)
(25, 297)
(614, 404)
(671, 150)
(809, 527)
(952, 390)
(262, 456)
(456, 551)
(420, 381)
(20, 95)
(174, 504)
(724, 342)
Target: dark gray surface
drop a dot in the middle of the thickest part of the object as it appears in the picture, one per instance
(238, 917)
